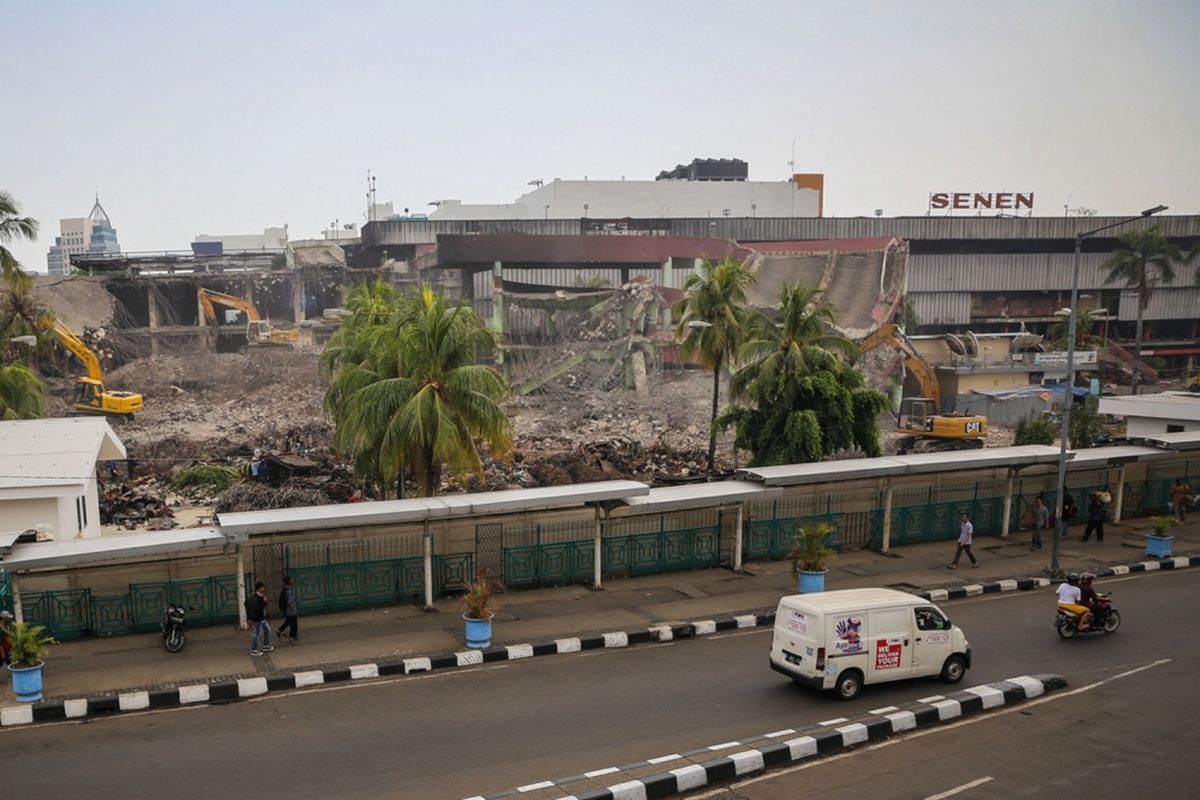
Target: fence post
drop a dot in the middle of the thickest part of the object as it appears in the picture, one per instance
(1120, 495)
(1006, 516)
(241, 590)
(597, 549)
(427, 558)
(737, 541)
(887, 517)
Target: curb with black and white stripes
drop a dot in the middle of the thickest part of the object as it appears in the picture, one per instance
(787, 747)
(245, 688)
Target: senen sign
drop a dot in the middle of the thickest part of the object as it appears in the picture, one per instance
(972, 201)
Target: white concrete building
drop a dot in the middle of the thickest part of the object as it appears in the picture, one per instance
(48, 474)
(708, 188)
(1152, 414)
(269, 239)
(91, 234)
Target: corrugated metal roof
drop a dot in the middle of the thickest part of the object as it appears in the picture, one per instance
(700, 495)
(832, 471)
(1183, 440)
(110, 548)
(1167, 302)
(1123, 454)
(55, 452)
(942, 308)
(1002, 272)
(392, 512)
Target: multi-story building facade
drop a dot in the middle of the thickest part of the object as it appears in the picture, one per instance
(77, 235)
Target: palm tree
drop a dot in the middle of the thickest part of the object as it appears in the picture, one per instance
(420, 399)
(712, 315)
(1145, 259)
(20, 315)
(799, 342)
(13, 227)
(1085, 331)
(22, 395)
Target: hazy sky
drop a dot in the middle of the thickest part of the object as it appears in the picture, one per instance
(228, 117)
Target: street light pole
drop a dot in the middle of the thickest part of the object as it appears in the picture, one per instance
(1068, 395)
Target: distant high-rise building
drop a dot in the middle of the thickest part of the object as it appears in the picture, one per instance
(91, 234)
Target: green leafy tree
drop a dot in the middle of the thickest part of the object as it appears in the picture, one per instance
(1086, 424)
(1086, 337)
(805, 401)
(412, 395)
(1146, 259)
(1035, 429)
(712, 316)
(12, 227)
(20, 315)
(22, 394)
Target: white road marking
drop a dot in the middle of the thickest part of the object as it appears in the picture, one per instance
(1015, 708)
(732, 634)
(958, 789)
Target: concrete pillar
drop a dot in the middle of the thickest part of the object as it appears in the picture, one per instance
(738, 538)
(428, 546)
(243, 624)
(887, 518)
(666, 282)
(1120, 494)
(1006, 519)
(152, 307)
(18, 612)
(298, 312)
(598, 551)
(697, 265)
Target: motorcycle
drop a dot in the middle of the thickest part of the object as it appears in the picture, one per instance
(174, 628)
(1105, 619)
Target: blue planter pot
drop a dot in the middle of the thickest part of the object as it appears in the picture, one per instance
(812, 581)
(1159, 546)
(27, 682)
(479, 631)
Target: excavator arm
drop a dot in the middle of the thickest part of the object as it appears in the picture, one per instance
(894, 337)
(208, 297)
(69, 340)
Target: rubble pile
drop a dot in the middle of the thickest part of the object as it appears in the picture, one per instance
(140, 503)
(260, 497)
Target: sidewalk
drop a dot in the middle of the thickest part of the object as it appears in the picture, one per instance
(106, 666)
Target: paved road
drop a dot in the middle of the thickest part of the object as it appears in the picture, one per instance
(452, 735)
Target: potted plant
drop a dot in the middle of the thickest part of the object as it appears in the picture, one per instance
(479, 607)
(1158, 544)
(808, 554)
(29, 644)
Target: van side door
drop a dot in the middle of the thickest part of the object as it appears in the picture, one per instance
(890, 644)
(934, 640)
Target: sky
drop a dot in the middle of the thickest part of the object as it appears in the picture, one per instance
(229, 117)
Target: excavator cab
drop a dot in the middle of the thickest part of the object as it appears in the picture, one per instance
(92, 398)
(89, 395)
(916, 414)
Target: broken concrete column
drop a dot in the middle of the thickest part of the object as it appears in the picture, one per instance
(298, 313)
(152, 307)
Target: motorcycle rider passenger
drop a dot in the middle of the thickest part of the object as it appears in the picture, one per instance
(1070, 598)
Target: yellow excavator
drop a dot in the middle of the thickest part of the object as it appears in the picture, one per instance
(259, 332)
(90, 395)
(926, 427)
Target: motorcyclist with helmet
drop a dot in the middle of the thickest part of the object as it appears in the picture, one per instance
(1070, 597)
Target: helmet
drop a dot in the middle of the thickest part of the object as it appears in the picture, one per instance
(1073, 578)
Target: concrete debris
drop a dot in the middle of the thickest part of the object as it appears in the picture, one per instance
(139, 504)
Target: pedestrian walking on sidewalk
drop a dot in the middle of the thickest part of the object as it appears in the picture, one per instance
(1069, 510)
(1180, 496)
(966, 536)
(1096, 513)
(1041, 516)
(256, 612)
(287, 606)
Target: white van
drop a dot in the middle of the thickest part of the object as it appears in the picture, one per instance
(841, 640)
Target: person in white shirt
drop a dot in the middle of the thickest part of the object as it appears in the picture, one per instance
(966, 536)
(1069, 597)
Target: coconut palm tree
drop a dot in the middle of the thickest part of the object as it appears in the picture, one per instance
(712, 315)
(1085, 331)
(22, 395)
(13, 227)
(1145, 259)
(797, 341)
(420, 400)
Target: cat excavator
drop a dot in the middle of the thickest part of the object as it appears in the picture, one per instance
(925, 428)
(90, 395)
(259, 332)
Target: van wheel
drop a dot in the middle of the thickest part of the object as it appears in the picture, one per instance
(849, 684)
(954, 669)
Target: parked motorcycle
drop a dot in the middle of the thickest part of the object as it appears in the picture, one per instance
(1105, 619)
(174, 628)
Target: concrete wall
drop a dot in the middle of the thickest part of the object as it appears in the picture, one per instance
(1149, 426)
(19, 514)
